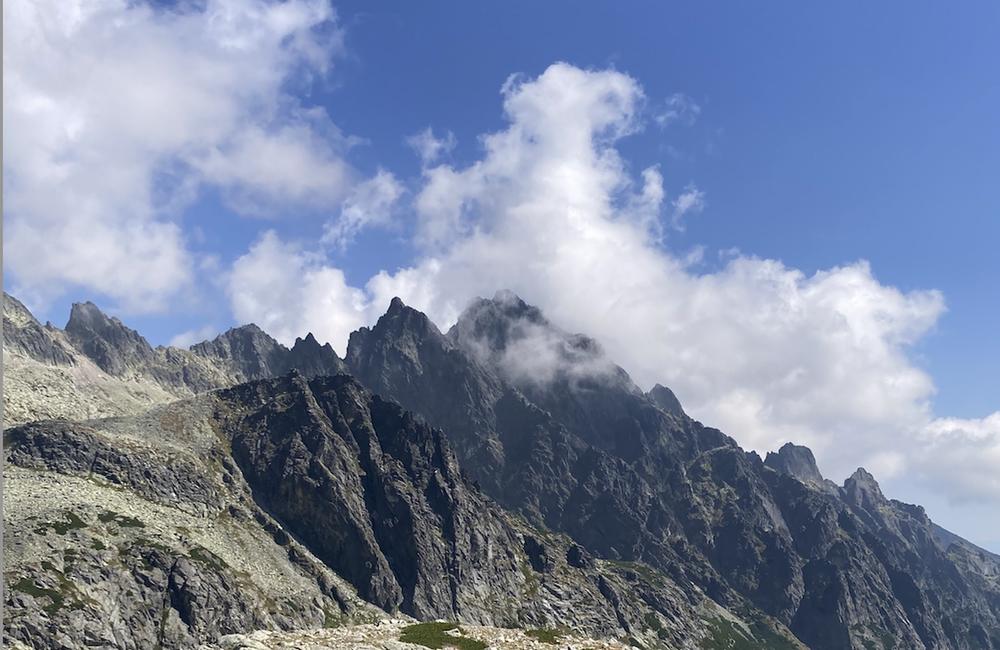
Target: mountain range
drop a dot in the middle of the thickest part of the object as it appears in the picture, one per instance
(504, 473)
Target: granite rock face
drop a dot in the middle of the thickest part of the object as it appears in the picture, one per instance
(99, 367)
(281, 504)
(505, 473)
(627, 475)
(24, 335)
(666, 400)
(140, 533)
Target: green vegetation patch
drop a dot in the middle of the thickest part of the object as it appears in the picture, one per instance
(652, 622)
(436, 635)
(66, 593)
(28, 586)
(204, 556)
(647, 573)
(530, 579)
(546, 635)
(124, 521)
(71, 522)
(726, 635)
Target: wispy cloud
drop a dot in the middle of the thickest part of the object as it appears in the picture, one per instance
(429, 147)
(369, 204)
(677, 109)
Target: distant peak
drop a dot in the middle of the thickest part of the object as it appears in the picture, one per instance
(795, 460)
(401, 317)
(508, 297)
(107, 341)
(15, 311)
(863, 477)
(86, 318)
(863, 490)
(249, 328)
(665, 399)
(309, 340)
(85, 314)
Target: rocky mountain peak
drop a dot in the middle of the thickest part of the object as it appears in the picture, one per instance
(115, 348)
(400, 318)
(249, 351)
(15, 312)
(401, 333)
(518, 341)
(795, 460)
(665, 399)
(488, 327)
(23, 333)
(314, 359)
(862, 490)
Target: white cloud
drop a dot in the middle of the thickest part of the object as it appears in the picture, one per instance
(965, 452)
(370, 203)
(116, 112)
(429, 147)
(189, 337)
(678, 109)
(690, 201)
(288, 292)
(764, 351)
(264, 172)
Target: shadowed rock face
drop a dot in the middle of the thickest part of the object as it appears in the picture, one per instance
(659, 510)
(629, 476)
(248, 352)
(323, 471)
(115, 349)
(376, 494)
(666, 400)
(795, 460)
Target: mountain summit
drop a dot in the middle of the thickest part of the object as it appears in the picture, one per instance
(507, 472)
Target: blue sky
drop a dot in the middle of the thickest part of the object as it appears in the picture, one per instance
(814, 136)
(828, 132)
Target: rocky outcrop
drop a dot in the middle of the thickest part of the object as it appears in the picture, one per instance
(235, 510)
(247, 353)
(99, 367)
(627, 475)
(378, 495)
(140, 533)
(115, 348)
(587, 502)
(798, 461)
(23, 334)
(666, 400)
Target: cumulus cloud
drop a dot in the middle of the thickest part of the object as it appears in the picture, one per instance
(965, 452)
(764, 351)
(370, 203)
(289, 291)
(429, 147)
(116, 112)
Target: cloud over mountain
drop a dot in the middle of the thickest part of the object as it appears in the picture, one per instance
(122, 113)
(764, 351)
